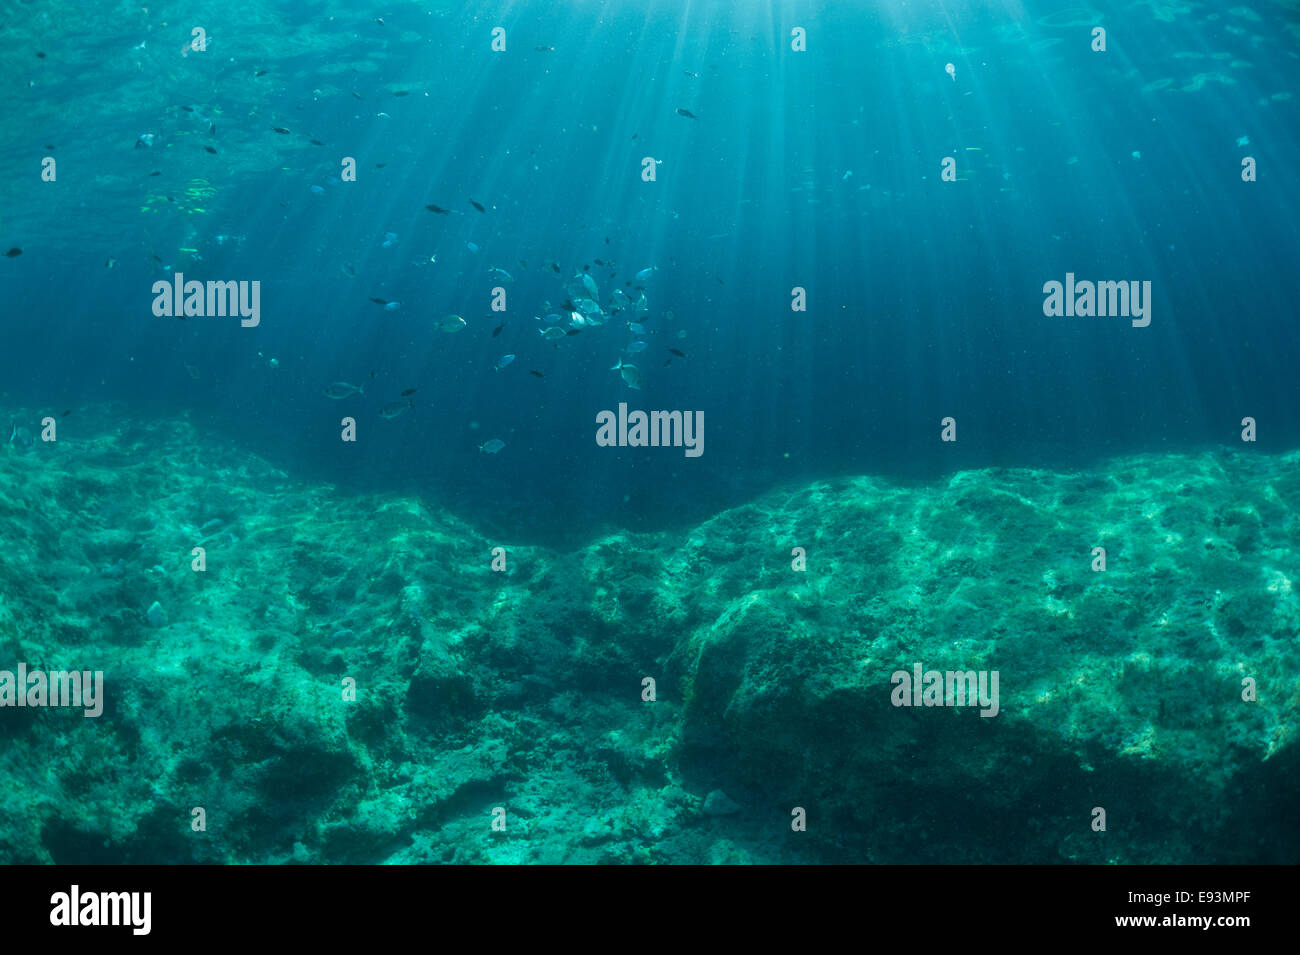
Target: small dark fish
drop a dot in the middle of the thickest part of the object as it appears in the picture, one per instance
(477, 206)
(687, 113)
(679, 354)
(156, 259)
(668, 362)
(12, 253)
(634, 135)
(212, 129)
(586, 268)
(568, 306)
(380, 301)
(156, 173)
(401, 92)
(497, 331)
(40, 56)
(573, 331)
(438, 210)
(689, 73)
(544, 49)
(372, 374)
(66, 413)
(555, 267)
(356, 94)
(380, 165)
(210, 149)
(598, 262)
(537, 374)
(49, 147)
(607, 240)
(408, 392)
(379, 20)
(188, 109)
(316, 142)
(347, 267)
(280, 129)
(260, 73)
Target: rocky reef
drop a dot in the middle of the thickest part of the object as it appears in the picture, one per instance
(366, 679)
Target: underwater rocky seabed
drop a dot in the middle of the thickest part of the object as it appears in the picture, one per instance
(522, 689)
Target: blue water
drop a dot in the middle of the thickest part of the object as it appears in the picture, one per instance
(818, 169)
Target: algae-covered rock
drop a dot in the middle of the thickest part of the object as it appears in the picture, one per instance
(353, 679)
(1119, 688)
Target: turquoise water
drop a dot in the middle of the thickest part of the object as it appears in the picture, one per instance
(435, 564)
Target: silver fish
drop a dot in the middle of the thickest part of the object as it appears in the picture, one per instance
(341, 389)
(631, 374)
